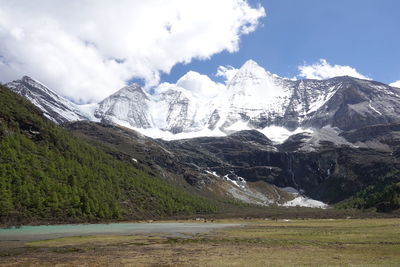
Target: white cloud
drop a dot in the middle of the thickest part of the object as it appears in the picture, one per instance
(395, 84)
(87, 49)
(200, 85)
(193, 84)
(227, 72)
(323, 70)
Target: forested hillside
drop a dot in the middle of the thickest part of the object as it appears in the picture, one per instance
(46, 174)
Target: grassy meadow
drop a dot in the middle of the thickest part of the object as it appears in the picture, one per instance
(310, 242)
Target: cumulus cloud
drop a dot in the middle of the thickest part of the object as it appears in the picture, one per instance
(395, 84)
(323, 70)
(197, 85)
(226, 72)
(200, 85)
(87, 49)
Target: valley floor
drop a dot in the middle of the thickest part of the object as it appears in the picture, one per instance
(256, 242)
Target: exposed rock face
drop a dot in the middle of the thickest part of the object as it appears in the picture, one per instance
(54, 107)
(248, 159)
(185, 165)
(331, 173)
(356, 104)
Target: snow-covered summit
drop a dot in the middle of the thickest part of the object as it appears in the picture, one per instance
(173, 109)
(253, 98)
(255, 88)
(54, 106)
(253, 92)
(128, 107)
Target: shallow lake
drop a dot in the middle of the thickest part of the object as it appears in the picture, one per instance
(42, 232)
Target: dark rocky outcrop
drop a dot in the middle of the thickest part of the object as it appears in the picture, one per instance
(331, 173)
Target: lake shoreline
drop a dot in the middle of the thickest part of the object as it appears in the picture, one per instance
(50, 232)
(251, 213)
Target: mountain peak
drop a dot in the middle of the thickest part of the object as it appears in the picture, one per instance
(252, 70)
(253, 98)
(127, 107)
(54, 106)
(30, 81)
(26, 78)
(132, 89)
(32, 84)
(250, 64)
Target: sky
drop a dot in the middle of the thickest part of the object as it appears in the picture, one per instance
(363, 34)
(86, 49)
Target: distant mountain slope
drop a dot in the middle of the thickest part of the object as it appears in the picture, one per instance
(68, 178)
(357, 103)
(181, 166)
(253, 99)
(330, 173)
(46, 174)
(128, 106)
(249, 167)
(54, 106)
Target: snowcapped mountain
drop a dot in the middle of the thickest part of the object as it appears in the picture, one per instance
(174, 109)
(54, 106)
(253, 99)
(253, 94)
(354, 103)
(127, 107)
(261, 99)
(259, 134)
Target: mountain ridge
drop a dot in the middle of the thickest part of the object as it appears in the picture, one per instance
(248, 166)
(49, 175)
(253, 99)
(54, 106)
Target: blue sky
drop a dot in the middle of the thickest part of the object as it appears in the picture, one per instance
(364, 34)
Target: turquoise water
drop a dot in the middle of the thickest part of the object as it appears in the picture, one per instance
(42, 232)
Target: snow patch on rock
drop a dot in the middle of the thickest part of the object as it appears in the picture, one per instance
(168, 136)
(305, 202)
(279, 134)
(302, 201)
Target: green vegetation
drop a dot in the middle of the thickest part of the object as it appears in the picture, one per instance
(384, 198)
(348, 242)
(48, 174)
